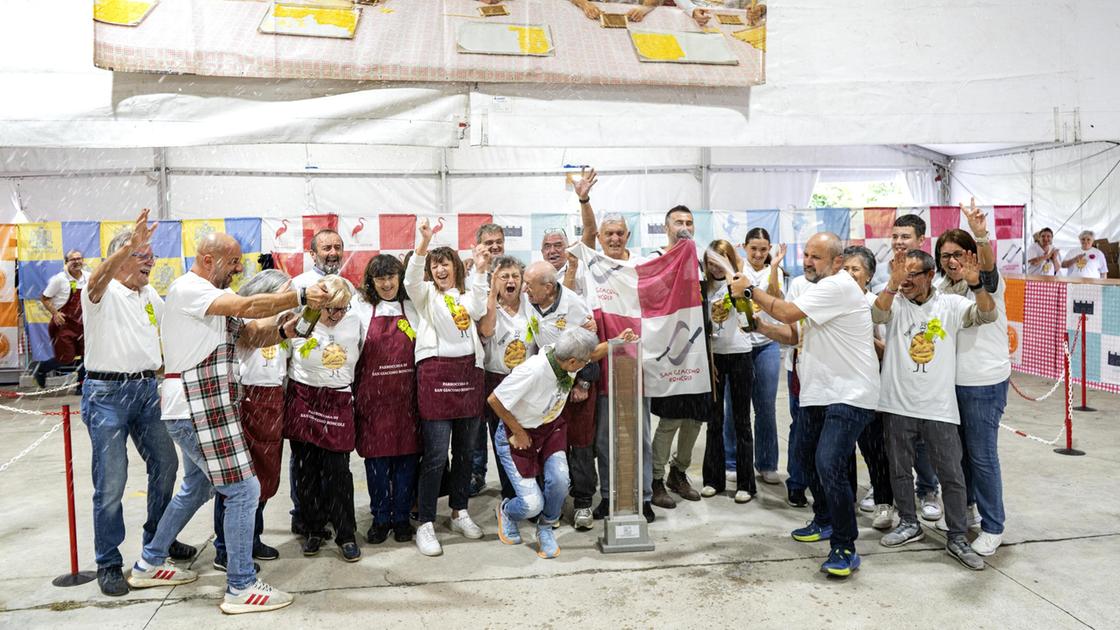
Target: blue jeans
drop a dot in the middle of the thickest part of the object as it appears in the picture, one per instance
(798, 477)
(829, 440)
(531, 500)
(981, 409)
(766, 360)
(392, 488)
(113, 411)
(220, 525)
(240, 509)
(458, 434)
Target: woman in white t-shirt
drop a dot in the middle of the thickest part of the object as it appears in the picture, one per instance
(983, 373)
(261, 372)
(508, 341)
(1087, 262)
(319, 421)
(859, 262)
(766, 359)
(449, 360)
(386, 420)
(731, 349)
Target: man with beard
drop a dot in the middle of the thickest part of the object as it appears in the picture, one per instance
(838, 372)
(612, 234)
(202, 319)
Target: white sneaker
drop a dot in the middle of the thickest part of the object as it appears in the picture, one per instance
(742, 496)
(867, 503)
(583, 520)
(986, 544)
(771, 477)
(931, 509)
(259, 597)
(731, 476)
(465, 526)
(972, 521)
(707, 492)
(426, 540)
(884, 516)
(166, 574)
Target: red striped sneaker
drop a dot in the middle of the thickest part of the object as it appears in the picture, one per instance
(166, 574)
(259, 597)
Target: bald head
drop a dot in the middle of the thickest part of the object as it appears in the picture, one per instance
(822, 256)
(540, 284)
(218, 259)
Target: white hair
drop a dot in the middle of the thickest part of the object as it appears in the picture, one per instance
(575, 343)
(265, 281)
(1084, 234)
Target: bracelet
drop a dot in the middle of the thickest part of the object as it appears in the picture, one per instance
(585, 200)
(890, 291)
(976, 287)
(982, 240)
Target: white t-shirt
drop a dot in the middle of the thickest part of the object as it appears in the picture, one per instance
(727, 337)
(120, 334)
(189, 335)
(531, 392)
(797, 286)
(331, 360)
(1046, 267)
(264, 367)
(569, 309)
(761, 280)
(58, 287)
(837, 362)
(1093, 265)
(507, 348)
(919, 373)
(983, 352)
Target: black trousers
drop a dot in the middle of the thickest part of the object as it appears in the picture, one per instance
(873, 446)
(325, 489)
(581, 468)
(459, 435)
(739, 369)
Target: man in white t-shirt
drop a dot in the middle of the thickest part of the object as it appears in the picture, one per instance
(202, 324)
(612, 234)
(1088, 262)
(63, 300)
(919, 388)
(839, 376)
(528, 401)
(1043, 259)
(119, 398)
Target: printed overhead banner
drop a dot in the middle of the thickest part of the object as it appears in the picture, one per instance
(553, 42)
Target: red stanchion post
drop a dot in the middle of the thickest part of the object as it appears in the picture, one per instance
(1068, 450)
(1084, 379)
(74, 577)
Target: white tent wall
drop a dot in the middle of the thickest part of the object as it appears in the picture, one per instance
(1052, 182)
(286, 180)
(838, 73)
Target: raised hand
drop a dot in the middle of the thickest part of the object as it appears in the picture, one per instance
(141, 231)
(898, 270)
(970, 268)
(780, 254)
(425, 232)
(482, 258)
(586, 183)
(977, 220)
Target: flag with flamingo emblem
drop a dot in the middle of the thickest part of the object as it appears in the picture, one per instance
(660, 300)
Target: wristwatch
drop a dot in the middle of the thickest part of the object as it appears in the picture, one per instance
(583, 384)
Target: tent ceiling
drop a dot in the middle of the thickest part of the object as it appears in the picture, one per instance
(961, 71)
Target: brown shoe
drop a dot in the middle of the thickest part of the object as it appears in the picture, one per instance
(661, 498)
(677, 481)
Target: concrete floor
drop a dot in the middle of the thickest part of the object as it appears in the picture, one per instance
(716, 562)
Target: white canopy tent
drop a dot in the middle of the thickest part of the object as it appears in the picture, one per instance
(852, 88)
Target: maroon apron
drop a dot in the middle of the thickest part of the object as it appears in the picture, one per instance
(262, 420)
(385, 392)
(581, 419)
(68, 339)
(450, 388)
(547, 440)
(319, 415)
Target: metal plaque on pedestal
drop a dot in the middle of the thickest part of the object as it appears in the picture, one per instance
(625, 528)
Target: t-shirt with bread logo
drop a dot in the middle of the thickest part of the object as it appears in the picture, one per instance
(512, 341)
(569, 309)
(923, 344)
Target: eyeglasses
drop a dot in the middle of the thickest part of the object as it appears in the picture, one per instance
(335, 310)
(946, 256)
(144, 257)
(917, 274)
(74, 260)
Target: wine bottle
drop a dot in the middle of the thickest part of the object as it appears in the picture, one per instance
(307, 321)
(744, 313)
